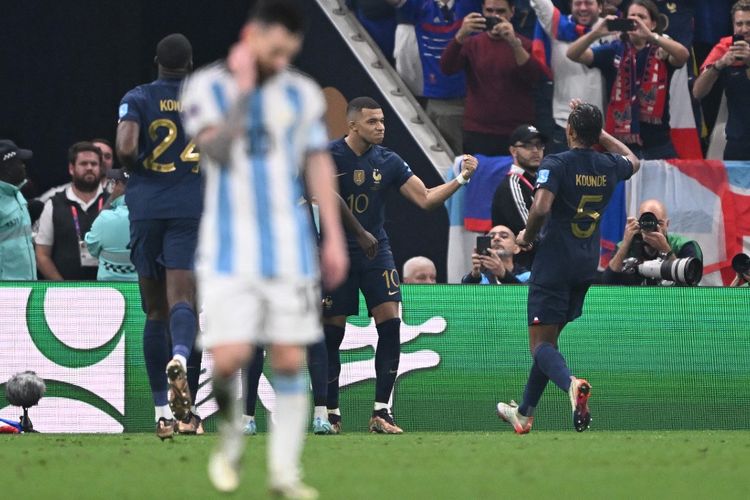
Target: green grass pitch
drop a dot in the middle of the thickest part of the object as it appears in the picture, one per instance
(477, 465)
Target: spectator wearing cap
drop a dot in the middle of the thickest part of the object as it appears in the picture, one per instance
(500, 77)
(513, 196)
(109, 237)
(17, 260)
(61, 252)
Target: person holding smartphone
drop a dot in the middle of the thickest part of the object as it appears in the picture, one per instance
(640, 66)
(493, 259)
(729, 64)
(500, 76)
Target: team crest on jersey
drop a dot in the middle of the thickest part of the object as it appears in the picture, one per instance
(327, 303)
(376, 176)
(359, 177)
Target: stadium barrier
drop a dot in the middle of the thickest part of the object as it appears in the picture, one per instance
(657, 358)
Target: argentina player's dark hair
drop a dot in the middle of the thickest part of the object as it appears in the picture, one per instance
(586, 122)
(287, 13)
(357, 104)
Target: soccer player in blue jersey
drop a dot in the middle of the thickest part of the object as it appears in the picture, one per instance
(572, 190)
(164, 198)
(259, 126)
(366, 172)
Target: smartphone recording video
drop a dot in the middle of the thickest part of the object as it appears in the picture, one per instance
(483, 244)
(620, 24)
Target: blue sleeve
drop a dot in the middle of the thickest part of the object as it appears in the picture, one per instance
(403, 170)
(129, 109)
(550, 175)
(604, 55)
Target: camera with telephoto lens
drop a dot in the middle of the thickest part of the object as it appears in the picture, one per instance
(741, 264)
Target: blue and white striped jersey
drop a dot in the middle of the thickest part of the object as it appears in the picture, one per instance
(254, 223)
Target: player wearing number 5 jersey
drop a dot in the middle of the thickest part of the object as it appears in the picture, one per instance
(165, 202)
(572, 191)
(366, 171)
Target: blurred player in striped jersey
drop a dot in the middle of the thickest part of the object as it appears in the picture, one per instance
(258, 124)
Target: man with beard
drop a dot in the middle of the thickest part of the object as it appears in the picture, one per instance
(514, 194)
(259, 126)
(61, 251)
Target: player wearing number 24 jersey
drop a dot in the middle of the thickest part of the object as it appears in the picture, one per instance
(165, 202)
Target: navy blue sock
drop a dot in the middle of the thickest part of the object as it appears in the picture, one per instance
(156, 355)
(317, 364)
(535, 386)
(334, 336)
(387, 356)
(552, 364)
(184, 327)
(194, 373)
(252, 377)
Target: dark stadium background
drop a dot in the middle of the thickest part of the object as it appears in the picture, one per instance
(65, 65)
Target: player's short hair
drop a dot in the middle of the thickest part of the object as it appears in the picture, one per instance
(586, 122)
(174, 52)
(598, 2)
(357, 104)
(742, 5)
(80, 147)
(287, 13)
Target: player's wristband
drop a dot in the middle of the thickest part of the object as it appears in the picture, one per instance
(461, 179)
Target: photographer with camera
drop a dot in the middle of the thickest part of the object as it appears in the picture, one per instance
(492, 260)
(649, 255)
(500, 76)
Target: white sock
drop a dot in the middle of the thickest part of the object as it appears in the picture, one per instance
(334, 411)
(181, 359)
(246, 419)
(320, 412)
(163, 411)
(380, 406)
(288, 429)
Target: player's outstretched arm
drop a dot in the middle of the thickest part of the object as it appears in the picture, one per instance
(430, 198)
(321, 184)
(126, 143)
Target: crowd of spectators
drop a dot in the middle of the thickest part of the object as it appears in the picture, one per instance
(491, 61)
(477, 66)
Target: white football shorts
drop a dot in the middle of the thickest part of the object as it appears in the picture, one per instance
(238, 310)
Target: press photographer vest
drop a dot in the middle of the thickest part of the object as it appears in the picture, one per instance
(65, 252)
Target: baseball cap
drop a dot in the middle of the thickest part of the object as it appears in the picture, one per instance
(526, 133)
(8, 150)
(118, 174)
